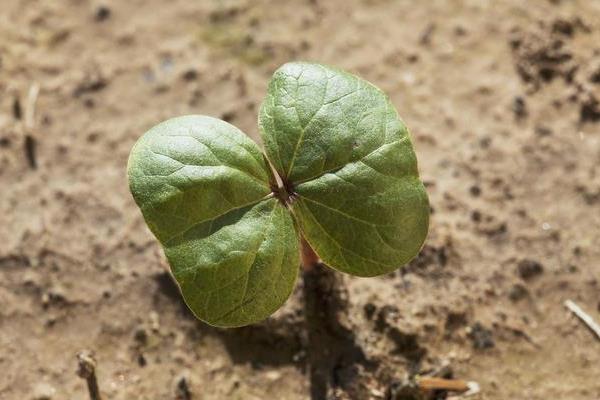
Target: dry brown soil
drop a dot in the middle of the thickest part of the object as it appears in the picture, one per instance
(502, 101)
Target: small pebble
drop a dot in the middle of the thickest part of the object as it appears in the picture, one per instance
(519, 107)
(141, 336)
(528, 269)
(190, 75)
(102, 13)
(475, 190)
(518, 292)
(182, 388)
(480, 336)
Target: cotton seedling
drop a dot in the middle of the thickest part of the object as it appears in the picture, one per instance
(338, 170)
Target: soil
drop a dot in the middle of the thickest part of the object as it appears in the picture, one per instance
(503, 102)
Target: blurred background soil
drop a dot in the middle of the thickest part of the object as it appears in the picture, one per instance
(502, 99)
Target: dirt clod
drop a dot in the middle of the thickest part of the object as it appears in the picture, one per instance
(518, 292)
(519, 107)
(590, 109)
(529, 269)
(370, 309)
(455, 320)
(190, 75)
(481, 337)
(102, 13)
(430, 258)
(90, 84)
(405, 343)
(141, 336)
(546, 53)
(475, 190)
(540, 58)
(182, 389)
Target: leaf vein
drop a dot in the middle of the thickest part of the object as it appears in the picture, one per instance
(344, 247)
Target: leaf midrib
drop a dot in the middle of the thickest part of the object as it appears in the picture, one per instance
(212, 219)
(361, 159)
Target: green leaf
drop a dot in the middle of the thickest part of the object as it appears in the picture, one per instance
(339, 143)
(239, 268)
(350, 186)
(317, 119)
(203, 188)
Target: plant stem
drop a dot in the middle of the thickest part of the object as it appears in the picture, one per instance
(310, 259)
(331, 340)
(87, 371)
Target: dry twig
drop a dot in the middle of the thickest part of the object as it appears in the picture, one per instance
(29, 124)
(429, 383)
(583, 316)
(87, 370)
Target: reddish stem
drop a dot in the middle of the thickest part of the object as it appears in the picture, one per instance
(309, 258)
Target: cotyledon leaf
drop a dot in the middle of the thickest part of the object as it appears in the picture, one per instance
(203, 188)
(239, 268)
(350, 181)
(316, 119)
(339, 144)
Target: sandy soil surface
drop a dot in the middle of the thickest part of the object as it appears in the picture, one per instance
(502, 98)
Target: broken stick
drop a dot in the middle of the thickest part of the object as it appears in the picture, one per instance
(429, 383)
(87, 370)
(29, 125)
(583, 316)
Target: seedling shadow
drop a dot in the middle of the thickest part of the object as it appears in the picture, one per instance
(275, 342)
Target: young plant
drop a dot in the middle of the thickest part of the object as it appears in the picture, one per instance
(338, 169)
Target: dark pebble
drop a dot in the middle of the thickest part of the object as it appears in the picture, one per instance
(141, 336)
(528, 269)
(518, 292)
(102, 13)
(481, 337)
(190, 75)
(369, 309)
(519, 107)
